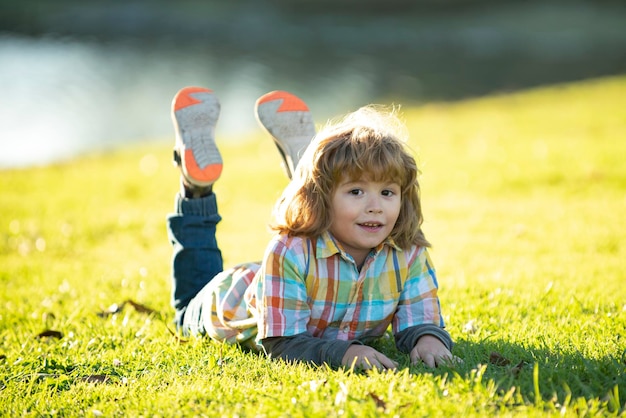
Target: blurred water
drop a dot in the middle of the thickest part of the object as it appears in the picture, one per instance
(62, 96)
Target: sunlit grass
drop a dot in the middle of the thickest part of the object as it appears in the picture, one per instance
(524, 197)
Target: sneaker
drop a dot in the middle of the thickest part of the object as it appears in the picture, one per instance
(195, 111)
(289, 122)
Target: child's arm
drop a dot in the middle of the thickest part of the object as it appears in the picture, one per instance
(305, 347)
(419, 315)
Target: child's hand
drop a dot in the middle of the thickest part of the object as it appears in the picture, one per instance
(364, 357)
(432, 351)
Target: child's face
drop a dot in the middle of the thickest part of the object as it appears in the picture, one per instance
(364, 213)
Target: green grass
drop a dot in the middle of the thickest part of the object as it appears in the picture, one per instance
(525, 203)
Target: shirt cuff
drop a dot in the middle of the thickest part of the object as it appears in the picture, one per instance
(406, 340)
(307, 348)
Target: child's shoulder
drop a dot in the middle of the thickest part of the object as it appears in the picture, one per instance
(414, 253)
(284, 242)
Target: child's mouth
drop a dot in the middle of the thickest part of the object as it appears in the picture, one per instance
(372, 226)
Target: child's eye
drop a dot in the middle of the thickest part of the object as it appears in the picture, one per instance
(355, 192)
(388, 193)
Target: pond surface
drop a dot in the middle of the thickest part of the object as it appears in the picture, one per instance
(61, 96)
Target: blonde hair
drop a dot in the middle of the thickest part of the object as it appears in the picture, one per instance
(368, 142)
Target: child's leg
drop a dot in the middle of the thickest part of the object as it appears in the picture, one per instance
(191, 229)
(288, 120)
(196, 256)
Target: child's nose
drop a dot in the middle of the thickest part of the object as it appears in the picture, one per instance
(374, 206)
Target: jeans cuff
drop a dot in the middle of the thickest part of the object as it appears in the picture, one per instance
(204, 206)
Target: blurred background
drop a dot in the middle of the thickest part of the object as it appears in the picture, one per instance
(79, 76)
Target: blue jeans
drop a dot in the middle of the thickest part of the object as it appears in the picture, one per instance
(196, 257)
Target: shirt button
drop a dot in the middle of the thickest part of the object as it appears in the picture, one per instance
(346, 329)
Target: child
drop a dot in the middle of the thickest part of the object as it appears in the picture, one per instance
(348, 259)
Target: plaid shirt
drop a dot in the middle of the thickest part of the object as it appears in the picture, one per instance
(311, 285)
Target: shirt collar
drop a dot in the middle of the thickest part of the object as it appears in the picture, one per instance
(327, 246)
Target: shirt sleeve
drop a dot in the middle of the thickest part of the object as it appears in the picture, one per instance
(418, 303)
(307, 348)
(407, 339)
(281, 290)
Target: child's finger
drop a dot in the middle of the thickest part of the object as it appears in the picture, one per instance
(429, 360)
(386, 363)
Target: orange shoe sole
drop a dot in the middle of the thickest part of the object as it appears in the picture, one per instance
(195, 111)
(289, 122)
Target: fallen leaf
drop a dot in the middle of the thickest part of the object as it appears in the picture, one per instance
(139, 307)
(115, 308)
(93, 378)
(50, 334)
(179, 339)
(517, 368)
(378, 401)
(96, 378)
(498, 359)
(111, 310)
